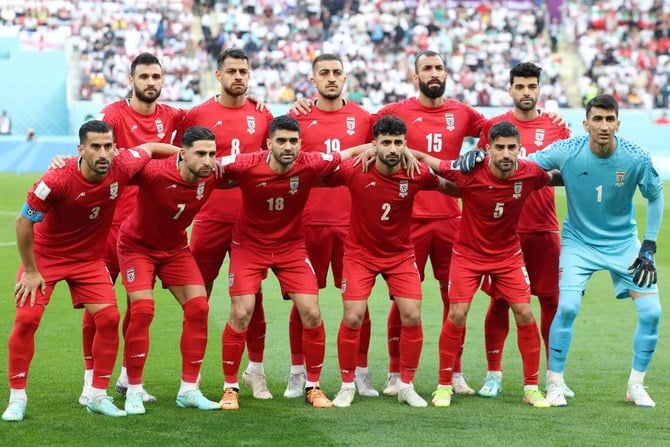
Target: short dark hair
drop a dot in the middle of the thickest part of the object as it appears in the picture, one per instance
(234, 53)
(427, 53)
(503, 129)
(93, 126)
(283, 122)
(389, 125)
(524, 70)
(144, 59)
(606, 102)
(196, 133)
(326, 57)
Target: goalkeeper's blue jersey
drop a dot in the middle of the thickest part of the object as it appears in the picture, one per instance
(600, 190)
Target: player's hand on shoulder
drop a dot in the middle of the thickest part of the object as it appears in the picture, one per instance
(301, 106)
(258, 101)
(365, 158)
(411, 164)
(59, 161)
(27, 286)
(643, 268)
(467, 162)
(557, 118)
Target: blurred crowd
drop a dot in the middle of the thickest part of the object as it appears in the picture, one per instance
(623, 44)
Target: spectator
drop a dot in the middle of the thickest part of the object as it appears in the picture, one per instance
(5, 124)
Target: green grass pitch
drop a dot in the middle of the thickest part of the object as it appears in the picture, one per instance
(597, 370)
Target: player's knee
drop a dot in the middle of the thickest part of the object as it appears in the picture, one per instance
(28, 317)
(196, 309)
(648, 310)
(107, 317)
(311, 317)
(353, 319)
(142, 311)
(568, 305)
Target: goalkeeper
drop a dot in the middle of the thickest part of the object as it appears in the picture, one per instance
(601, 173)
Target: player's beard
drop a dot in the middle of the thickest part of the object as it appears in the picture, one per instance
(527, 106)
(100, 169)
(331, 95)
(139, 94)
(391, 163)
(235, 92)
(431, 92)
(283, 161)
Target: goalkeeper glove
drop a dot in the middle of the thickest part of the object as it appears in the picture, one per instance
(467, 162)
(643, 268)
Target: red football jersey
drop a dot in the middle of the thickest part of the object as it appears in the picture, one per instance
(238, 130)
(79, 212)
(328, 132)
(381, 208)
(437, 131)
(132, 129)
(539, 211)
(272, 203)
(166, 205)
(491, 208)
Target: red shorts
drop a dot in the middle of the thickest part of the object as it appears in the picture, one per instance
(249, 266)
(541, 252)
(360, 270)
(434, 238)
(89, 281)
(210, 241)
(140, 266)
(111, 258)
(325, 246)
(508, 275)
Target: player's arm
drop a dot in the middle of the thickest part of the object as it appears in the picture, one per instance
(555, 178)
(301, 106)
(465, 163)
(447, 187)
(31, 280)
(161, 150)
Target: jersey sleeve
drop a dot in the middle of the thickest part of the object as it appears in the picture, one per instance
(323, 163)
(340, 176)
(132, 160)
(476, 121)
(428, 177)
(46, 191)
(551, 157)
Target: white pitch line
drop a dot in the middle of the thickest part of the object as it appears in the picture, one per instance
(7, 244)
(8, 213)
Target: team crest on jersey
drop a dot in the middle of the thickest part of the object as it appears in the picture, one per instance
(518, 186)
(619, 179)
(404, 187)
(251, 125)
(450, 121)
(130, 274)
(539, 137)
(293, 184)
(200, 192)
(160, 129)
(231, 279)
(113, 191)
(351, 125)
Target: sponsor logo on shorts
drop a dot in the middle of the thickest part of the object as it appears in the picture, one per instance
(130, 274)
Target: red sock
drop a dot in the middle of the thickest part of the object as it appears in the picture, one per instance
(136, 344)
(21, 345)
(496, 328)
(314, 347)
(193, 337)
(528, 340)
(348, 339)
(444, 294)
(451, 338)
(548, 306)
(105, 345)
(87, 334)
(124, 325)
(364, 343)
(295, 336)
(256, 332)
(393, 329)
(411, 342)
(232, 346)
